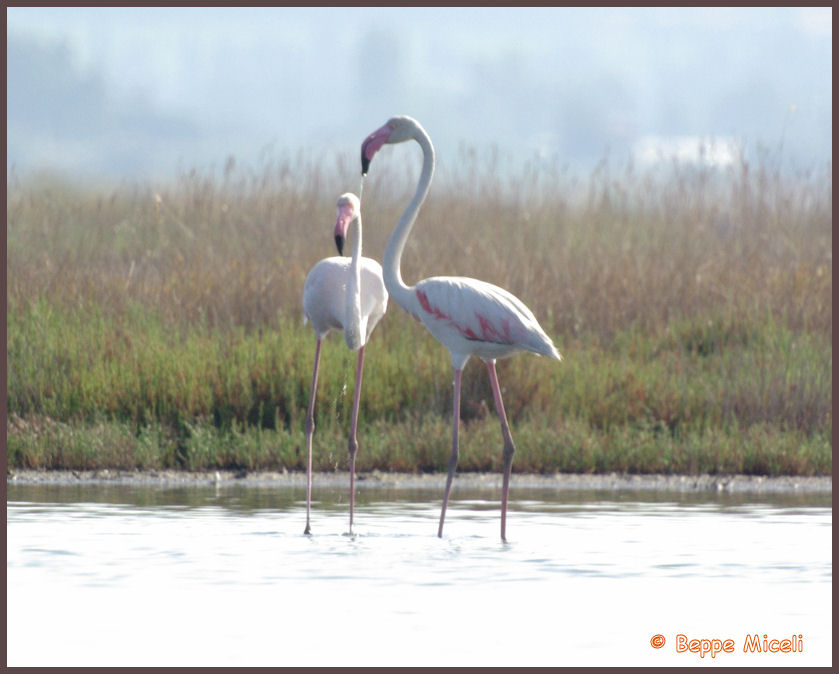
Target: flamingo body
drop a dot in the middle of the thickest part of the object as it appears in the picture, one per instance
(324, 297)
(475, 318)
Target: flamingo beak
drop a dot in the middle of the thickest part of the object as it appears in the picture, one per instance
(342, 224)
(371, 146)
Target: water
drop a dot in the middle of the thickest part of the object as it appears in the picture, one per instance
(223, 576)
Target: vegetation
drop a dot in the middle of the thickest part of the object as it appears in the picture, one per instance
(161, 326)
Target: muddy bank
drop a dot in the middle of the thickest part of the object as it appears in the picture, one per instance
(615, 481)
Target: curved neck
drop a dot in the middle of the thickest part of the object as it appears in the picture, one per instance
(353, 328)
(396, 287)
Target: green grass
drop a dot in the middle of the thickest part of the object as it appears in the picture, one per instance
(161, 328)
(124, 392)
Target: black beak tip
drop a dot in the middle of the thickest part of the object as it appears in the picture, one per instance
(339, 242)
(365, 164)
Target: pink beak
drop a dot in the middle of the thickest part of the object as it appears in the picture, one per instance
(371, 146)
(345, 216)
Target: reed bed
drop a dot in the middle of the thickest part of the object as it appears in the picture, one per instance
(160, 326)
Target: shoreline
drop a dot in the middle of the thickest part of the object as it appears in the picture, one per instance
(559, 481)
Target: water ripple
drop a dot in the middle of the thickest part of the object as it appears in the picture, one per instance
(245, 576)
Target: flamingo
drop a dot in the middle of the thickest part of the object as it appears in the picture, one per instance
(349, 295)
(470, 317)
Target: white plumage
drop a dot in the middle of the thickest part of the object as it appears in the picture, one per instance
(325, 292)
(472, 317)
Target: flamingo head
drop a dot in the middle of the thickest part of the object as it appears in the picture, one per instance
(396, 130)
(348, 209)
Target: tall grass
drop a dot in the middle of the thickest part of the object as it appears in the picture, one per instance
(160, 326)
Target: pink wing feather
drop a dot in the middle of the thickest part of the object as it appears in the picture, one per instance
(480, 312)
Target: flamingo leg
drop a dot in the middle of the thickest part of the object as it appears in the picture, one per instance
(310, 429)
(353, 442)
(453, 457)
(509, 447)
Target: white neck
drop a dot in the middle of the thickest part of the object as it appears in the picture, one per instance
(396, 288)
(354, 323)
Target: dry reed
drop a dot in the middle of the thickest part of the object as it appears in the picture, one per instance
(674, 288)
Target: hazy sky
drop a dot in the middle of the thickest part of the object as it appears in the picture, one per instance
(141, 90)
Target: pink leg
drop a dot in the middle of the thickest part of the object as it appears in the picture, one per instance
(453, 457)
(353, 443)
(509, 448)
(310, 429)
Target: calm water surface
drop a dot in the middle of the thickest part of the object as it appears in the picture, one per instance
(224, 576)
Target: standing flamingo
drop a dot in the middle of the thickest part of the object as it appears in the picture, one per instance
(348, 295)
(468, 316)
